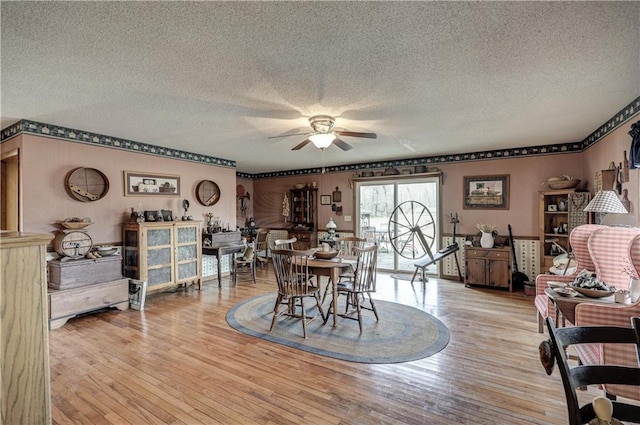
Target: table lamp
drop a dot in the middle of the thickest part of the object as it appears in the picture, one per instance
(331, 228)
(605, 202)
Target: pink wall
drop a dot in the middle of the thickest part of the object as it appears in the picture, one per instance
(611, 149)
(527, 176)
(270, 194)
(45, 162)
(241, 218)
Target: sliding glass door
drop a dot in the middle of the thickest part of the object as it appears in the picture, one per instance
(402, 216)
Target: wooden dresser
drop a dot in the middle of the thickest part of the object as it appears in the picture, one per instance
(24, 338)
(488, 267)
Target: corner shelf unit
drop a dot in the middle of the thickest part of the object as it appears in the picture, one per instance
(163, 253)
(564, 219)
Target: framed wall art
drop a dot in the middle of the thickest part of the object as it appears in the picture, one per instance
(486, 192)
(325, 200)
(147, 184)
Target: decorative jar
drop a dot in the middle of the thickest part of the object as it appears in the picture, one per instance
(486, 240)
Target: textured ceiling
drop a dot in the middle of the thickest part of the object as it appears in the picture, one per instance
(218, 78)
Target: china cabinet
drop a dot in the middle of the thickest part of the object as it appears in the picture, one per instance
(303, 216)
(560, 212)
(163, 253)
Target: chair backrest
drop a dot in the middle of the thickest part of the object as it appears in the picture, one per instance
(370, 233)
(579, 376)
(579, 239)
(262, 236)
(284, 243)
(347, 244)
(291, 268)
(261, 241)
(364, 275)
(611, 248)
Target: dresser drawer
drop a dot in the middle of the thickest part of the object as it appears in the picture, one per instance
(87, 298)
(498, 255)
(476, 253)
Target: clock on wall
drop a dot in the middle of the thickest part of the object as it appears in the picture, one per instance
(207, 193)
(86, 184)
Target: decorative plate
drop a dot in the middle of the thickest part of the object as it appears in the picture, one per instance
(207, 193)
(566, 292)
(86, 184)
(592, 293)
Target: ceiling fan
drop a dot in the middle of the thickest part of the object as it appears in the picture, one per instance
(322, 136)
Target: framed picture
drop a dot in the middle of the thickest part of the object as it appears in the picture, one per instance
(486, 192)
(147, 184)
(150, 215)
(325, 199)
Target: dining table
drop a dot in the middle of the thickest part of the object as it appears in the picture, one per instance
(332, 268)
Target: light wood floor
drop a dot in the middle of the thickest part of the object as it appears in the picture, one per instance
(178, 362)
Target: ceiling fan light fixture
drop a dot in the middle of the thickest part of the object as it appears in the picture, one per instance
(322, 140)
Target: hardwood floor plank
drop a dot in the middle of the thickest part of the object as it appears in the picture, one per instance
(178, 362)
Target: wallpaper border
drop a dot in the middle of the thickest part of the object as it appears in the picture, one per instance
(59, 132)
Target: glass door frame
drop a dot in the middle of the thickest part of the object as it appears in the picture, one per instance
(395, 181)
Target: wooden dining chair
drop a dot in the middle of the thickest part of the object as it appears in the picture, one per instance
(346, 247)
(295, 283)
(362, 285)
(245, 262)
(262, 246)
(553, 351)
(284, 243)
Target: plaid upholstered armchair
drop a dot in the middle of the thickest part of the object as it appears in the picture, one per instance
(578, 239)
(611, 248)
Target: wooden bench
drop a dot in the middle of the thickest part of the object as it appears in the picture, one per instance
(434, 258)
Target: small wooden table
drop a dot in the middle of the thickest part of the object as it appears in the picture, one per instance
(331, 268)
(219, 251)
(566, 306)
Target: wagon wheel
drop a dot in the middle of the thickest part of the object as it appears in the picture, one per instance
(412, 230)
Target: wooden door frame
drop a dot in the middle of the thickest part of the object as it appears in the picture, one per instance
(10, 214)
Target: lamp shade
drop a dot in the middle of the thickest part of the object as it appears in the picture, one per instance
(322, 140)
(606, 201)
(331, 225)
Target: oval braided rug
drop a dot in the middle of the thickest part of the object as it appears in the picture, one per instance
(403, 333)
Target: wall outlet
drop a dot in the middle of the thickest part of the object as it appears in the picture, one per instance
(347, 218)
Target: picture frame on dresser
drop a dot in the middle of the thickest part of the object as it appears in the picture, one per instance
(489, 192)
(151, 184)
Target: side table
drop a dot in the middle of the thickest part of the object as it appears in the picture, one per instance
(565, 307)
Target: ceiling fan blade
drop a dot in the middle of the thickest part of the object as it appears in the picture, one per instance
(287, 135)
(356, 134)
(301, 145)
(342, 144)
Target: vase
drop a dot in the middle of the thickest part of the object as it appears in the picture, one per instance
(562, 205)
(486, 240)
(634, 288)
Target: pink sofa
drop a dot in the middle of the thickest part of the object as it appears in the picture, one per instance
(609, 248)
